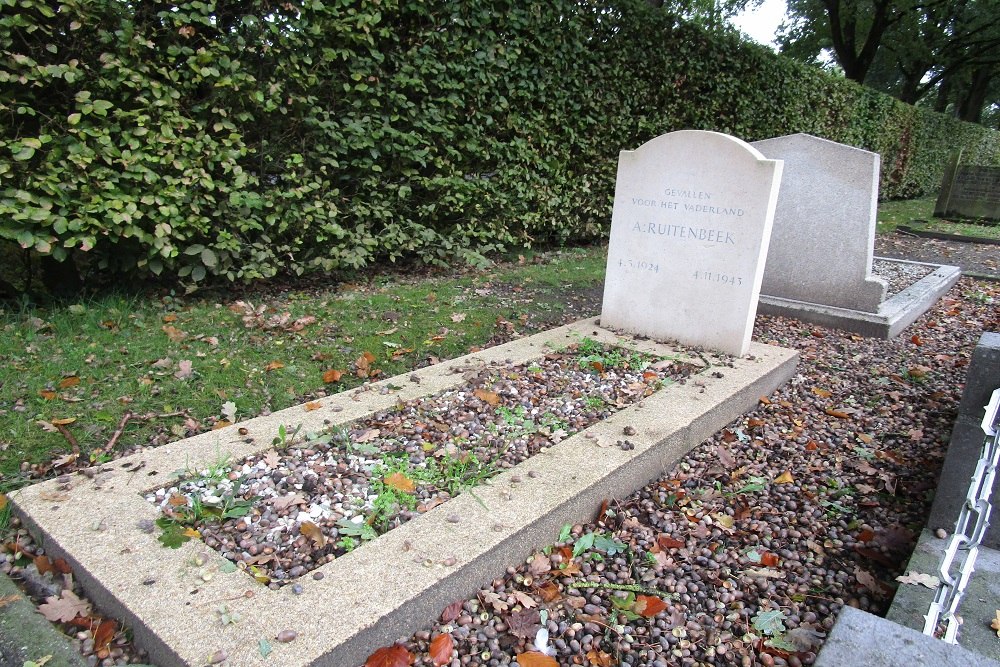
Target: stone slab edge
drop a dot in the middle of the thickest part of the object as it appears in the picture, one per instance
(395, 584)
(860, 639)
(894, 315)
(27, 635)
(944, 236)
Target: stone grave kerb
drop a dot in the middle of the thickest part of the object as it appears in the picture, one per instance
(823, 240)
(689, 235)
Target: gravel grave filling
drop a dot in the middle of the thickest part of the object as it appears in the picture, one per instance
(311, 498)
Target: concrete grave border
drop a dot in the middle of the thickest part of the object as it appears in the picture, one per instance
(399, 582)
(894, 314)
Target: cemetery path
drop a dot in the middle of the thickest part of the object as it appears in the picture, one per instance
(975, 259)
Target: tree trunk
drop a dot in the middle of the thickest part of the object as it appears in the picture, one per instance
(970, 107)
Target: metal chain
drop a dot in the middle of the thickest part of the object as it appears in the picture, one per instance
(964, 545)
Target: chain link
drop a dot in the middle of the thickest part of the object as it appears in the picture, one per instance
(963, 548)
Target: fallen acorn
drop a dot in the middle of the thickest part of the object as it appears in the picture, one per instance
(286, 636)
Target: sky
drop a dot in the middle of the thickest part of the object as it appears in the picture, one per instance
(762, 23)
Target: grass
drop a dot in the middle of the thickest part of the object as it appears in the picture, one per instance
(894, 213)
(960, 227)
(183, 364)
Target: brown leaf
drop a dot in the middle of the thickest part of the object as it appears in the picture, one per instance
(784, 478)
(400, 482)
(839, 414)
(548, 591)
(452, 611)
(390, 656)
(64, 421)
(539, 565)
(915, 339)
(725, 457)
(332, 375)
(174, 334)
(524, 624)
(367, 435)
(7, 599)
(768, 559)
(870, 582)
(104, 633)
(458, 317)
(43, 564)
(184, 369)
(487, 396)
(822, 393)
(312, 405)
(70, 381)
(648, 606)
(167, 319)
(599, 658)
(667, 542)
(274, 365)
(526, 600)
(440, 650)
(47, 394)
(64, 608)
(536, 659)
(314, 533)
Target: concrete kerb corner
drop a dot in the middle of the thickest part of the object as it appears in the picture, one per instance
(389, 587)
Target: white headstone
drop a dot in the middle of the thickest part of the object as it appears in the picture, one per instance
(824, 226)
(689, 234)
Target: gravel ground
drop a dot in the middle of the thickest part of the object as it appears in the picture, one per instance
(755, 540)
(975, 259)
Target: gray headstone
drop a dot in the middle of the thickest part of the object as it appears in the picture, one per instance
(969, 191)
(824, 227)
(689, 233)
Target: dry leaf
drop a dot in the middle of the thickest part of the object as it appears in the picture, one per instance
(390, 656)
(839, 414)
(784, 478)
(332, 375)
(452, 611)
(104, 633)
(822, 393)
(599, 658)
(458, 317)
(919, 579)
(284, 502)
(667, 542)
(274, 365)
(440, 650)
(64, 421)
(487, 396)
(400, 482)
(64, 608)
(648, 606)
(535, 659)
(184, 369)
(7, 599)
(539, 564)
(174, 334)
(367, 435)
(995, 624)
(765, 572)
(526, 600)
(48, 395)
(314, 533)
(312, 405)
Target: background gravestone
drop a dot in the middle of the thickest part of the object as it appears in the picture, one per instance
(824, 226)
(689, 233)
(969, 191)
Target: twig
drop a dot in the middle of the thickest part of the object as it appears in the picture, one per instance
(118, 431)
(162, 415)
(632, 588)
(69, 438)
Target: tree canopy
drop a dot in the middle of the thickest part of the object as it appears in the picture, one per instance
(942, 53)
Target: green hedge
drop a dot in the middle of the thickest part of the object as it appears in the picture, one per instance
(243, 139)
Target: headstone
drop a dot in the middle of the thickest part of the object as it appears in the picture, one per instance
(824, 226)
(689, 233)
(969, 191)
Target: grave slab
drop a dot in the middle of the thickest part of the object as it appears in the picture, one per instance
(689, 233)
(824, 226)
(892, 316)
(390, 587)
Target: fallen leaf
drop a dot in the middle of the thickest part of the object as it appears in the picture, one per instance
(332, 375)
(784, 478)
(995, 623)
(174, 334)
(283, 502)
(919, 579)
(274, 365)
(47, 394)
(769, 559)
(524, 623)
(64, 421)
(870, 582)
(648, 606)
(667, 542)
(390, 656)
(487, 396)
(104, 633)
(915, 339)
(535, 659)
(367, 435)
(599, 658)
(725, 457)
(64, 608)
(548, 591)
(839, 414)
(440, 650)
(312, 405)
(822, 393)
(458, 317)
(452, 611)
(765, 572)
(539, 565)
(65, 460)
(184, 369)
(314, 533)
(400, 482)
(526, 600)
(7, 599)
